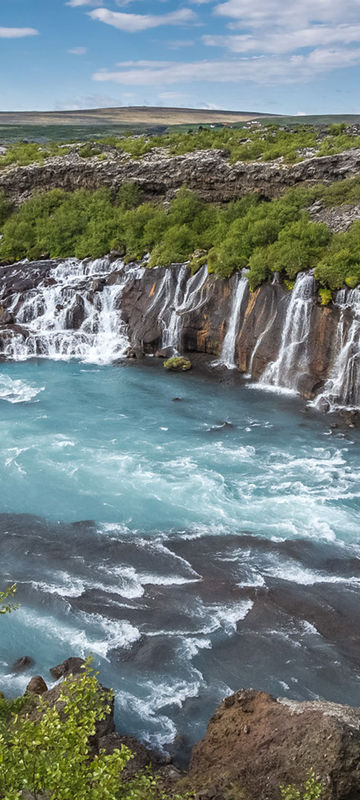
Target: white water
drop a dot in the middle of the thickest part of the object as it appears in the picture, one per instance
(227, 358)
(342, 389)
(292, 360)
(183, 300)
(71, 318)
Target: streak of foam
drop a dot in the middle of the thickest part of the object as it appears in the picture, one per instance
(17, 391)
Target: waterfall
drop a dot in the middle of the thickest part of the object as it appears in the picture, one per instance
(186, 296)
(342, 389)
(293, 357)
(72, 314)
(227, 358)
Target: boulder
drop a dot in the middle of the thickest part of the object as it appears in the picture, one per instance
(255, 743)
(6, 318)
(23, 663)
(76, 314)
(36, 685)
(71, 666)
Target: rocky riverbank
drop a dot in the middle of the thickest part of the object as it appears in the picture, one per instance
(253, 745)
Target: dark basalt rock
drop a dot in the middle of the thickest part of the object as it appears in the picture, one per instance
(159, 174)
(71, 666)
(36, 685)
(76, 314)
(22, 664)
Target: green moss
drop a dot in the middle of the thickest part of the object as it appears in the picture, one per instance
(352, 281)
(325, 296)
(177, 363)
(289, 284)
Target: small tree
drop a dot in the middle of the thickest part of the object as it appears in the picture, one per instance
(47, 751)
(313, 789)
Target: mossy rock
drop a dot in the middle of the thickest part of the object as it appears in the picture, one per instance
(177, 364)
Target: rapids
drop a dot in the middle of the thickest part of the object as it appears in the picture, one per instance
(194, 535)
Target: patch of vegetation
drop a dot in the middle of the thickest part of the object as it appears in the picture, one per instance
(313, 790)
(24, 153)
(7, 604)
(177, 364)
(266, 237)
(266, 143)
(238, 142)
(48, 753)
(325, 296)
(345, 192)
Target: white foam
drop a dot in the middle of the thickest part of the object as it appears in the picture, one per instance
(17, 391)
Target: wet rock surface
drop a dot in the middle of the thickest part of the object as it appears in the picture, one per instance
(255, 743)
(22, 664)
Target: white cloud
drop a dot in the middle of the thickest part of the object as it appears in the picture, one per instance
(17, 33)
(264, 69)
(79, 3)
(286, 41)
(78, 51)
(292, 12)
(133, 23)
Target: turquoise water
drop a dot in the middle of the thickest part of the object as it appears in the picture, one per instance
(196, 536)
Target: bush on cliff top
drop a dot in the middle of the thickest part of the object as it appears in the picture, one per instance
(261, 235)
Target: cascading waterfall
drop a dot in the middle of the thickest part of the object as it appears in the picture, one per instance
(73, 314)
(227, 358)
(342, 389)
(185, 297)
(292, 360)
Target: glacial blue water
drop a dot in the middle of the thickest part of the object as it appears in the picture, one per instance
(196, 536)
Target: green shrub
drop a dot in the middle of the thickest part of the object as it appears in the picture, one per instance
(49, 752)
(261, 235)
(325, 296)
(289, 284)
(5, 208)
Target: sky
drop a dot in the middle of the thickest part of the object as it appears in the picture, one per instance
(276, 56)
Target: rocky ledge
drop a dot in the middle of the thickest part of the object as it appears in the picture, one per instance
(159, 174)
(253, 745)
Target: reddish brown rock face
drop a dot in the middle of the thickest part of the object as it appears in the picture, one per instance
(260, 331)
(255, 743)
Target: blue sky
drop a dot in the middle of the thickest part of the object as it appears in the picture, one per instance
(281, 56)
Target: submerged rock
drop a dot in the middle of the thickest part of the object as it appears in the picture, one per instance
(255, 743)
(22, 664)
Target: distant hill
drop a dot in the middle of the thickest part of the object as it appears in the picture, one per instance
(127, 115)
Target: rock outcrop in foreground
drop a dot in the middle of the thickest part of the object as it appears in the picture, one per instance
(255, 743)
